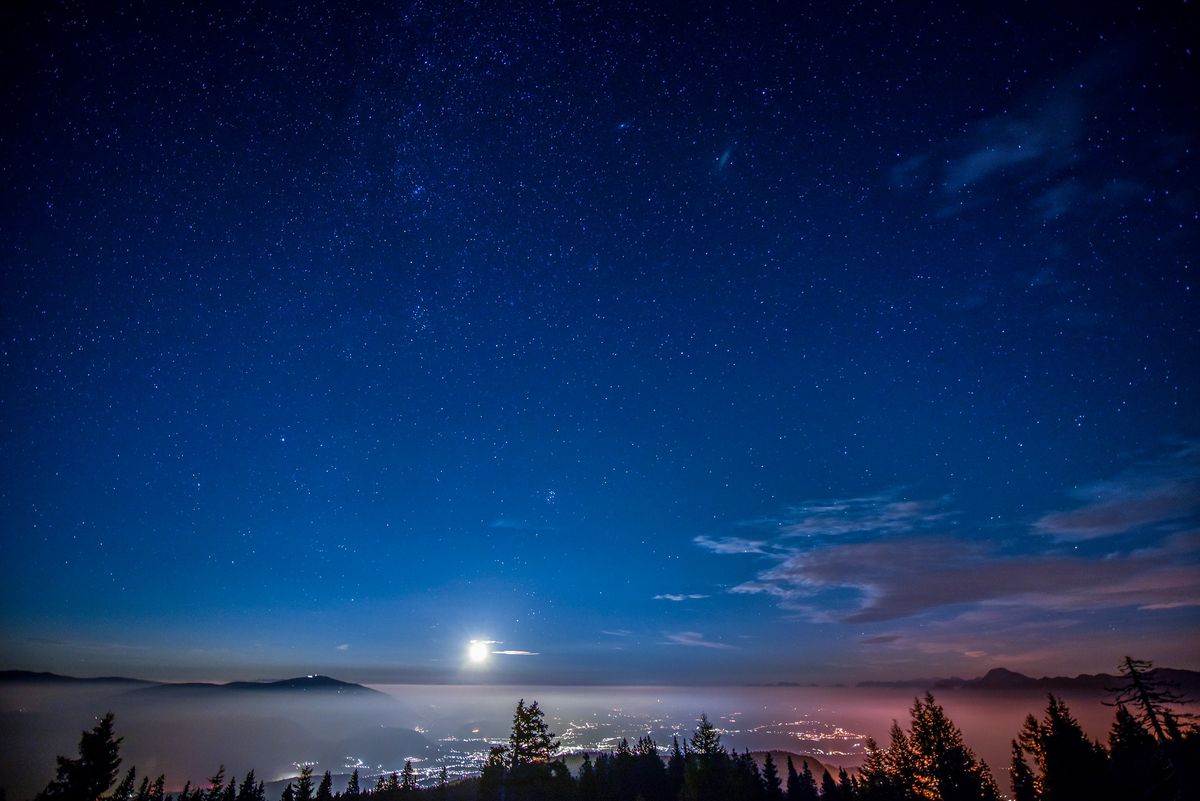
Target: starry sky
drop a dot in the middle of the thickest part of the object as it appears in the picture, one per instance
(749, 343)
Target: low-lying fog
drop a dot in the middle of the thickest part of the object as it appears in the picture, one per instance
(186, 734)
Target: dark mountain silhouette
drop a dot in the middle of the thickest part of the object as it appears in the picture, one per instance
(1000, 678)
(32, 677)
(313, 684)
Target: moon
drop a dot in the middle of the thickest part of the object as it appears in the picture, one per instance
(477, 652)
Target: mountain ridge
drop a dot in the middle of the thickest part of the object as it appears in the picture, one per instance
(1000, 678)
(309, 683)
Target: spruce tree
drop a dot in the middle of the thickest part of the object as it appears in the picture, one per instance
(676, 765)
(531, 740)
(408, 779)
(1070, 767)
(587, 783)
(772, 785)
(808, 784)
(829, 788)
(289, 793)
(124, 791)
(707, 773)
(793, 781)
(216, 785)
(352, 788)
(847, 786)
(325, 789)
(1023, 784)
(706, 741)
(89, 776)
(491, 778)
(248, 789)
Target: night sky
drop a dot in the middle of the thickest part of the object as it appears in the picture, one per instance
(757, 343)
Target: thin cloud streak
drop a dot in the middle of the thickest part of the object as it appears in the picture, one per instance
(693, 639)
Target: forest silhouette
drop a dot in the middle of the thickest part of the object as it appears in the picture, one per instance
(1152, 754)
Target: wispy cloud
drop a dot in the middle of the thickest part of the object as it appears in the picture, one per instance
(693, 639)
(1039, 151)
(343, 647)
(516, 653)
(881, 639)
(879, 558)
(671, 596)
(872, 516)
(898, 578)
(617, 632)
(1147, 495)
(730, 545)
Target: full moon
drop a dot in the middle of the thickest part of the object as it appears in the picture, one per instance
(477, 651)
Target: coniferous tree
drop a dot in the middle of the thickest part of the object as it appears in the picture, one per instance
(877, 779)
(931, 761)
(393, 782)
(216, 785)
(943, 761)
(304, 785)
(89, 776)
(143, 792)
(772, 784)
(124, 791)
(1154, 699)
(408, 779)
(352, 788)
(380, 783)
(676, 765)
(706, 741)
(746, 780)
(1137, 766)
(289, 793)
(1024, 785)
(707, 769)
(230, 792)
(808, 784)
(1069, 766)
(847, 786)
(650, 774)
(587, 783)
(248, 791)
(491, 778)
(829, 788)
(793, 781)
(325, 788)
(158, 791)
(530, 740)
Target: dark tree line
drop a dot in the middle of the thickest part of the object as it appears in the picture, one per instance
(1152, 754)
